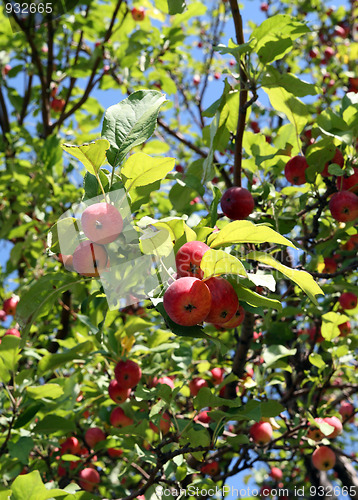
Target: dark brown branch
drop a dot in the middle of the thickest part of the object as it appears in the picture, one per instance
(26, 101)
(243, 95)
(243, 345)
(347, 475)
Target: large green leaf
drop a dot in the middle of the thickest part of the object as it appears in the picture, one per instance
(130, 123)
(176, 6)
(30, 487)
(53, 361)
(257, 300)
(216, 262)
(54, 423)
(9, 352)
(92, 155)
(141, 169)
(206, 398)
(52, 391)
(285, 102)
(275, 36)
(243, 231)
(275, 352)
(330, 323)
(274, 78)
(303, 279)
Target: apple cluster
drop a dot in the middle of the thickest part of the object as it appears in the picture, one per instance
(9, 309)
(343, 205)
(127, 374)
(190, 299)
(102, 224)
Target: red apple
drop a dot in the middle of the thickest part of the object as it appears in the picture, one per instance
(188, 259)
(218, 375)
(339, 31)
(323, 458)
(93, 436)
(336, 424)
(344, 206)
(6, 69)
(179, 168)
(236, 320)
(348, 300)
(352, 243)
(346, 410)
(119, 419)
(232, 62)
(295, 170)
(127, 373)
(217, 75)
(224, 300)
(348, 183)
(164, 380)
(330, 265)
(313, 53)
(71, 445)
(10, 305)
(3, 316)
(89, 259)
(114, 452)
(164, 424)
(264, 7)
(261, 433)
(237, 203)
(187, 301)
(89, 478)
(13, 331)
(118, 393)
(337, 158)
(196, 384)
(345, 329)
(254, 127)
(196, 80)
(202, 417)
(329, 52)
(57, 104)
(102, 223)
(265, 491)
(276, 473)
(138, 13)
(314, 432)
(212, 468)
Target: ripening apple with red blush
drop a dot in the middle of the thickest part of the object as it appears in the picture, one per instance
(187, 301)
(102, 223)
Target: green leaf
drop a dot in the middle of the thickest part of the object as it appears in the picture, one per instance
(27, 415)
(176, 6)
(330, 322)
(216, 262)
(317, 155)
(333, 125)
(130, 123)
(208, 167)
(243, 231)
(206, 398)
(275, 352)
(53, 424)
(295, 110)
(271, 408)
(273, 79)
(42, 292)
(255, 299)
(92, 155)
(141, 170)
(197, 437)
(30, 487)
(303, 279)
(52, 391)
(316, 360)
(275, 36)
(10, 352)
(53, 361)
(21, 449)
(66, 231)
(236, 50)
